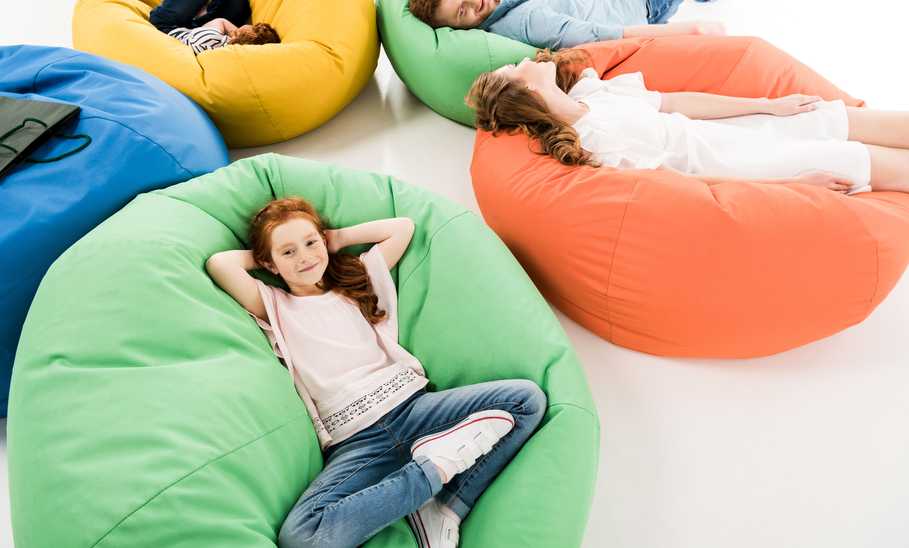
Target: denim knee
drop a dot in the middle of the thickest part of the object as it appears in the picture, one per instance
(300, 533)
(532, 397)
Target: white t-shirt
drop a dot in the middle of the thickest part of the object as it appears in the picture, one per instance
(349, 372)
(625, 129)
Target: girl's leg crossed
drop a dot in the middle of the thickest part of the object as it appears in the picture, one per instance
(437, 411)
(362, 489)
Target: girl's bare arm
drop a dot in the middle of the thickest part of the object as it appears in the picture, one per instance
(704, 106)
(391, 235)
(229, 269)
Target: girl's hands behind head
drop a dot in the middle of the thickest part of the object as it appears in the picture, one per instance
(333, 241)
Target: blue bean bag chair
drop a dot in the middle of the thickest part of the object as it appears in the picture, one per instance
(144, 135)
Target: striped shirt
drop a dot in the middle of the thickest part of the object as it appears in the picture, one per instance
(200, 39)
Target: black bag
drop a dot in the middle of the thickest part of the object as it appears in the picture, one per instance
(26, 124)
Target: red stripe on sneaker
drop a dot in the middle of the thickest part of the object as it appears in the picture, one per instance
(443, 434)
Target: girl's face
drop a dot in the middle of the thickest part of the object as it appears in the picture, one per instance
(536, 76)
(298, 255)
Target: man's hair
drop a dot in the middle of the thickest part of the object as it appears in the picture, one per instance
(424, 10)
(261, 33)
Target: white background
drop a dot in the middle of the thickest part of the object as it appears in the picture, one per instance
(808, 448)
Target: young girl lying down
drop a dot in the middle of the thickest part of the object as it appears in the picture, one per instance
(392, 449)
(578, 119)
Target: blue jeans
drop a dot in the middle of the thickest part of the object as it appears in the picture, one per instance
(370, 480)
(659, 11)
(182, 13)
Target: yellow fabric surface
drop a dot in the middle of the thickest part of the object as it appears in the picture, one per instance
(256, 95)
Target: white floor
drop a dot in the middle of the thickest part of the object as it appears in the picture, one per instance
(804, 449)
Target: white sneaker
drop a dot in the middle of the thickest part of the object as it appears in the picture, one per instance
(435, 525)
(458, 448)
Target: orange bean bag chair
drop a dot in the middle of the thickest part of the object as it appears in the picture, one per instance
(671, 265)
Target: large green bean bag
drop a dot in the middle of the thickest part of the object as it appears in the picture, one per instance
(148, 410)
(439, 65)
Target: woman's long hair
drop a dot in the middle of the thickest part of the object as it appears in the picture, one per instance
(344, 274)
(505, 105)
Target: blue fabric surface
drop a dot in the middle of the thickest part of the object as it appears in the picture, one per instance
(145, 135)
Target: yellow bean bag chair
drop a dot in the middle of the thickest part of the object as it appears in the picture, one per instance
(256, 95)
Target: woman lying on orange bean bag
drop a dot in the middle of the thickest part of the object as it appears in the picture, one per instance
(579, 119)
(644, 216)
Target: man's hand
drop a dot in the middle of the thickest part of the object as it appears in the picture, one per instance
(675, 29)
(703, 28)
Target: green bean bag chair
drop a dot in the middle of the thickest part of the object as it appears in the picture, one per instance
(148, 410)
(439, 65)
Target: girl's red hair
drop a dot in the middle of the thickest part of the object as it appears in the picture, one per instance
(344, 274)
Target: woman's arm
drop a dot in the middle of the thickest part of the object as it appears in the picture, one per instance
(674, 29)
(229, 269)
(819, 178)
(705, 106)
(391, 235)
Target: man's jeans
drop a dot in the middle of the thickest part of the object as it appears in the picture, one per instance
(370, 480)
(659, 11)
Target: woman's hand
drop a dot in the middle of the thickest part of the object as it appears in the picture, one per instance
(702, 28)
(824, 179)
(791, 104)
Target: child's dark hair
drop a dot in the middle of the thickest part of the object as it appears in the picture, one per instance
(260, 33)
(345, 273)
(424, 10)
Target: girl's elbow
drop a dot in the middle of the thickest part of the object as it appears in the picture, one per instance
(213, 263)
(406, 227)
(210, 262)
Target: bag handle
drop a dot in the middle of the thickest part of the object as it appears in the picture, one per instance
(85, 138)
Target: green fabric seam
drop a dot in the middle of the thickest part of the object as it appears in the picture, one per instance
(194, 471)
